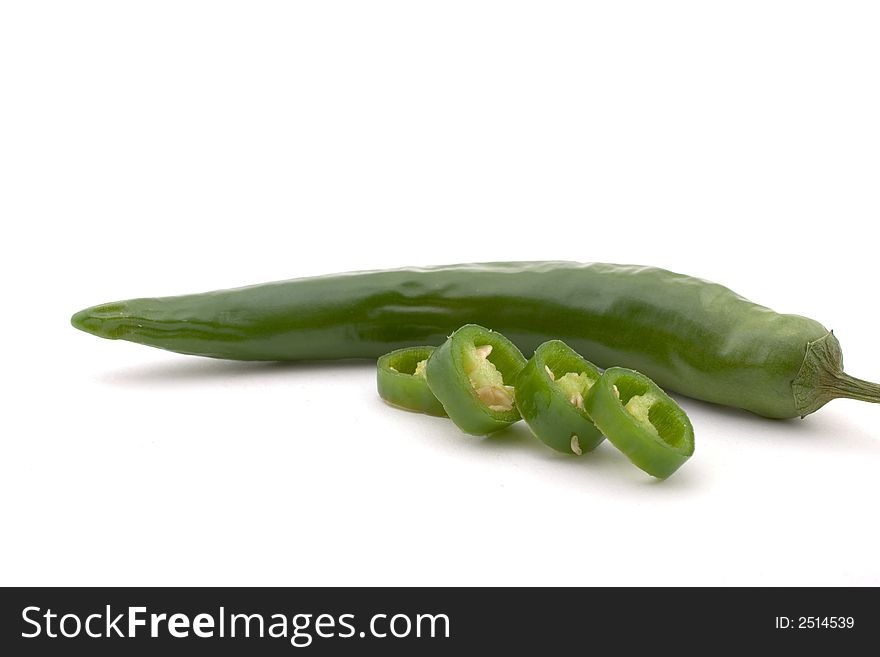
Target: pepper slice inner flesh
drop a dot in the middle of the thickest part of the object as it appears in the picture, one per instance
(419, 370)
(575, 385)
(650, 411)
(487, 380)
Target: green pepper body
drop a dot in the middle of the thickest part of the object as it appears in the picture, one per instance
(553, 416)
(656, 434)
(691, 336)
(399, 385)
(451, 381)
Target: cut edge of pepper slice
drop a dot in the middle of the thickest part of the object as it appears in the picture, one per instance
(555, 415)
(464, 373)
(642, 421)
(401, 385)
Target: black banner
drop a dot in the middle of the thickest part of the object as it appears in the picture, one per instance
(277, 621)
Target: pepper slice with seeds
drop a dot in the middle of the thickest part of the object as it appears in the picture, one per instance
(400, 378)
(472, 375)
(641, 420)
(550, 394)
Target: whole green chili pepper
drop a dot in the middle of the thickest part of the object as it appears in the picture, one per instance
(550, 394)
(401, 380)
(691, 336)
(641, 420)
(472, 375)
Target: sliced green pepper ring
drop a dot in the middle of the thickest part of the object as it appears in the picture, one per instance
(472, 374)
(550, 393)
(641, 420)
(400, 378)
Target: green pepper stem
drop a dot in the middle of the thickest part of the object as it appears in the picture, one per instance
(849, 387)
(822, 378)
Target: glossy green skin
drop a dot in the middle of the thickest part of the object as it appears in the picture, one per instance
(643, 448)
(689, 335)
(400, 388)
(450, 384)
(543, 405)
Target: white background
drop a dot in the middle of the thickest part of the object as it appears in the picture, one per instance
(172, 147)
